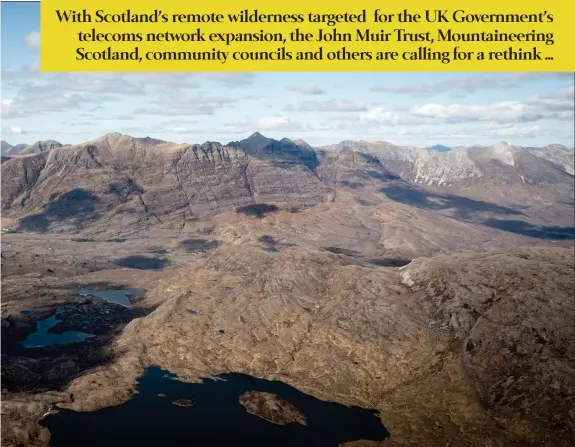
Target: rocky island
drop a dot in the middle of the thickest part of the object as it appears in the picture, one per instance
(272, 408)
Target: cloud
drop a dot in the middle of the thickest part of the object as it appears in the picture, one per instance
(328, 106)
(40, 93)
(34, 100)
(469, 84)
(181, 104)
(33, 40)
(115, 118)
(136, 84)
(308, 89)
(34, 87)
(182, 128)
(556, 105)
(166, 127)
(272, 122)
(83, 123)
(381, 117)
(561, 100)
(12, 130)
(512, 131)
(6, 104)
(264, 123)
(230, 79)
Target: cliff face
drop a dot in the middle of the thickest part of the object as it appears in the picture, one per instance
(146, 181)
(534, 182)
(19, 177)
(501, 161)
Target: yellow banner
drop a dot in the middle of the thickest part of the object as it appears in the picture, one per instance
(301, 35)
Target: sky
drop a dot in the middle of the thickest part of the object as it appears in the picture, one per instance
(419, 109)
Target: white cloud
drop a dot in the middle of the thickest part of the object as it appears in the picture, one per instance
(181, 104)
(230, 79)
(378, 115)
(35, 89)
(557, 105)
(5, 105)
(165, 128)
(34, 100)
(384, 117)
(514, 131)
(272, 122)
(470, 84)
(264, 123)
(333, 105)
(308, 89)
(12, 130)
(179, 129)
(33, 40)
(122, 117)
(560, 100)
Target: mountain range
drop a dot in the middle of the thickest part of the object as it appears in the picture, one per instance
(23, 149)
(142, 182)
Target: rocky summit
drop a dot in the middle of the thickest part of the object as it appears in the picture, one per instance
(432, 287)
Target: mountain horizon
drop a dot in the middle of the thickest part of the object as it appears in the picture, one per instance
(6, 146)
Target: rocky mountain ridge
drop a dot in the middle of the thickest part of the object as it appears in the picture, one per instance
(25, 149)
(458, 165)
(139, 182)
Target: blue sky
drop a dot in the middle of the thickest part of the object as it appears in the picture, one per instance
(420, 109)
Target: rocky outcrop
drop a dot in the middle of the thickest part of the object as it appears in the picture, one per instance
(183, 403)
(272, 408)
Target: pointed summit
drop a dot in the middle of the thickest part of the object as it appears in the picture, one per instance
(256, 135)
(255, 142)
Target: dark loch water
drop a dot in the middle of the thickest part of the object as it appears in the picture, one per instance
(271, 250)
(121, 297)
(41, 337)
(215, 419)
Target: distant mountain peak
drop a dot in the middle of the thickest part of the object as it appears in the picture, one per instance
(256, 135)
(25, 149)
